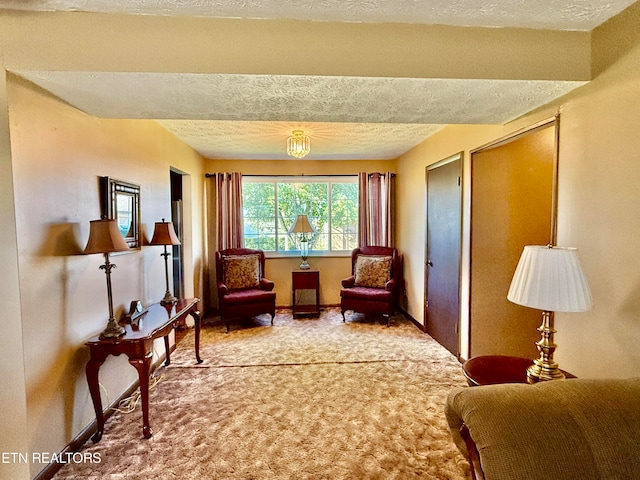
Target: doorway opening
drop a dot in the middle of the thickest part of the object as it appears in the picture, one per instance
(176, 218)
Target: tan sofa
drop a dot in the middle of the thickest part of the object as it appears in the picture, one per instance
(559, 430)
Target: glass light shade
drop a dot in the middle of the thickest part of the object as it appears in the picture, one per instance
(550, 279)
(105, 237)
(164, 234)
(299, 144)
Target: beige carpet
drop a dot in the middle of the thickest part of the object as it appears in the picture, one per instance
(303, 399)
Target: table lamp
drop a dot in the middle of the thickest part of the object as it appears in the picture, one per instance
(302, 226)
(550, 279)
(164, 234)
(105, 238)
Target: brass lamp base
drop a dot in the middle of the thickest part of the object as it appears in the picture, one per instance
(168, 296)
(539, 372)
(113, 330)
(545, 368)
(168, 299)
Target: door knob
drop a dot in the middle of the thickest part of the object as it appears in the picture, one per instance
(430, 263)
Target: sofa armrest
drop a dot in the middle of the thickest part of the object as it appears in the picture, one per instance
(455, 422)
(390, 286)
(584, 427)
(267, 285)
(349, 282)
(222, 289)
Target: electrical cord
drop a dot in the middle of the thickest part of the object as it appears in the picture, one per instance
(128, 405)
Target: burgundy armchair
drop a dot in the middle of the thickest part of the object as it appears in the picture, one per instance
(374, 283)
(243, 291)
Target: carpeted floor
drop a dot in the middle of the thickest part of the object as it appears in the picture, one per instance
(308, 398)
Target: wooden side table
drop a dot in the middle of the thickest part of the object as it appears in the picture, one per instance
(305, 280)
(137, 344)
(494, 369)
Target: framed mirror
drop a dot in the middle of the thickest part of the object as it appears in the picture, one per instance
(121, 201)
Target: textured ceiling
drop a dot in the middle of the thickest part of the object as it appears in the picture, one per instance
(549, 14)
(250, 116)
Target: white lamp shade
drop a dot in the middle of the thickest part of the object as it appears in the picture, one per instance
(551, 279)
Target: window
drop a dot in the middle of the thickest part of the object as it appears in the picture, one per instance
(271, 205)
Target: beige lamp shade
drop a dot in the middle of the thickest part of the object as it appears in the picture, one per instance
(302, 225)
(164, 234)
(105, 237)
(550, 279)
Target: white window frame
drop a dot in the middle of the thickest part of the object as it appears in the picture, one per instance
(330, 179)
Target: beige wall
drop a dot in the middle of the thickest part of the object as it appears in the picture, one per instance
(598, 213)
(58, 154)
(13, 397)
(332, 269)
(597, 205)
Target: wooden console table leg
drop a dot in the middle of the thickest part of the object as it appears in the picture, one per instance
(167, 360)
(92, 368)
(143, 365)
(196, 318)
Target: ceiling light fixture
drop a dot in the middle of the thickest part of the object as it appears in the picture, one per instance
(299, 144)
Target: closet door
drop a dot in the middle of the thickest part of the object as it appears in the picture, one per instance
(512, 205)
(442, 265)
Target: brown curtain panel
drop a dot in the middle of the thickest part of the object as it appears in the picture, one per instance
(376, 209)
(228, 192)
(223, 210)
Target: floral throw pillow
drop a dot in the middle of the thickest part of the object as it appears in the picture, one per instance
(372, 271)
(241, 271)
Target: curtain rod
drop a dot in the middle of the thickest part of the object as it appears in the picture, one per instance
(207, 175)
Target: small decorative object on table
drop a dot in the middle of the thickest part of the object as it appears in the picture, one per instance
(136, 312)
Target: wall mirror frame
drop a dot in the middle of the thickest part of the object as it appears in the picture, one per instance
(121, 201)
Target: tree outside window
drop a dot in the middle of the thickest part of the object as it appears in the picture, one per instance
(271, 206)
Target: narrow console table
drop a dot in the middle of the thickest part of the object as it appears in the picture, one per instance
(137, 344)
